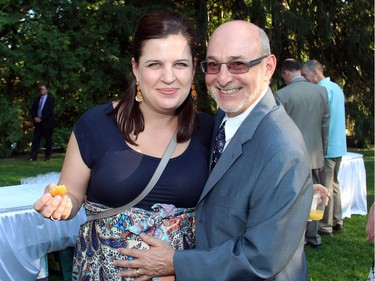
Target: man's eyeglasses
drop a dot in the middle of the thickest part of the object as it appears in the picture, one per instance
(234, 67)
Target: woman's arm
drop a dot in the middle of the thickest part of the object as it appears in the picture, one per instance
(75, 176)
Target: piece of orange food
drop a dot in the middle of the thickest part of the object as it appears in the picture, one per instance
(58, 190)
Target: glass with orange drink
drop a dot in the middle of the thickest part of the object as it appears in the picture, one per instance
(317, 207)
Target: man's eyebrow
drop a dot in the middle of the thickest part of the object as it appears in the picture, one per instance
(231, 58)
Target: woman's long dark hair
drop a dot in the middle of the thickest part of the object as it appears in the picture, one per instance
(127, 113)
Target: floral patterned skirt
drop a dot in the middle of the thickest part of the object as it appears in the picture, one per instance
(98, 240)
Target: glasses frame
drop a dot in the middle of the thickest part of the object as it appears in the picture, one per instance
(250, 64)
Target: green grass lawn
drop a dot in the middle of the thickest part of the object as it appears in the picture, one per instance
(348, 255)
(13, 169)
(345, 257)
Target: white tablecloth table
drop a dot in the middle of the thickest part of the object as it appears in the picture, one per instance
(352, 179)
(25, 236)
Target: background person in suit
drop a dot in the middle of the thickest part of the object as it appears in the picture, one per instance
(252, 213)
(307, 104)
(332, 220)
(42, 115)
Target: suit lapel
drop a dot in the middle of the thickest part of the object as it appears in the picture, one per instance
(230, 154)
(47, 100)
(244, 134)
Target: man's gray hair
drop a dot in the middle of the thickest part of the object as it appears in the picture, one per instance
(265, 48)
(313, 65)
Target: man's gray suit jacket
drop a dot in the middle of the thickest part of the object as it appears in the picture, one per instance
(307, 104)
(252, 214)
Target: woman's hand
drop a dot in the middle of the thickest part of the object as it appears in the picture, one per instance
(55, 208)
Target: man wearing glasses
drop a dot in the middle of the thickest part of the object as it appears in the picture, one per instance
(252, 213)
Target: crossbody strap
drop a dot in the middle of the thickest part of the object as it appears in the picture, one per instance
(155, 177)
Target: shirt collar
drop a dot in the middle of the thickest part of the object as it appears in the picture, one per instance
(297, 77)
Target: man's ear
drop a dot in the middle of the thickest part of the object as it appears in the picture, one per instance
(271, 63)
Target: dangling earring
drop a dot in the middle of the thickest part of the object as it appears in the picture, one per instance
(138, 97)
(193, 92)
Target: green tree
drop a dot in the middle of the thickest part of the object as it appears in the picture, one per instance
(340, 35)
(81, 50)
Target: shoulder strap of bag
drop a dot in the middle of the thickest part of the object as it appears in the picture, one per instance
(155, 177)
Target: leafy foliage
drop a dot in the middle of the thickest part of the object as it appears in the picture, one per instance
(10, 124)
(81, 50)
